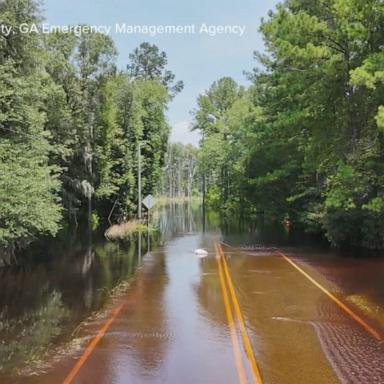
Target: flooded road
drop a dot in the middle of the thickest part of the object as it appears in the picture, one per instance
(151, 311)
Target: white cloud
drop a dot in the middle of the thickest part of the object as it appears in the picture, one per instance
(181, 133)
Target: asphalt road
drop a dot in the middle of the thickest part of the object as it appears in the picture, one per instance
(235, 316)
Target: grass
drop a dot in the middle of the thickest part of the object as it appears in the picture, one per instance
(124, 230)
(164, 200)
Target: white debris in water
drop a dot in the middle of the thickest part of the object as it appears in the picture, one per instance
(201, 252)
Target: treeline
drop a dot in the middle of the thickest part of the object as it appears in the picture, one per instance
(181, 176)
(305, 141)
(70, 126)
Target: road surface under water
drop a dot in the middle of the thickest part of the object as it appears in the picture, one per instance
(256, 309)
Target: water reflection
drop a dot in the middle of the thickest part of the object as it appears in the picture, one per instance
(147, 342)
(175, 219)
(63, 281)
(26, 336)
(173, 318)
(44, 300)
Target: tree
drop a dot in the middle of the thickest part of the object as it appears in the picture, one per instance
(140, 116)
(317, 56)
(70, 125)
(180, 178)
(81, 68)
(28, 184)
(306, 139)
(148, 63)
(210, 118)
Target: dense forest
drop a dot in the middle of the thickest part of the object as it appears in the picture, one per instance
(181, 172)
(305, 141)
(71, 124)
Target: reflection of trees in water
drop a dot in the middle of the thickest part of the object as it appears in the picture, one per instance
(89, 256)
(175, 219)
(88, 286)
(256, 232)
(208, 292)
(63, 281)
(49, 296)
(26, 336)
(147, 317)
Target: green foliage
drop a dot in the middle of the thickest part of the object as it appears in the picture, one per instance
(181, 178)
(31, 332)
(71, 124)
(148, 63)
(321, 96)
(28, 203)
(28, 183)
(95, 220)
(380, 117)
(305, 141)
(213, 119)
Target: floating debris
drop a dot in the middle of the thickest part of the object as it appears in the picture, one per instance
(199, 252)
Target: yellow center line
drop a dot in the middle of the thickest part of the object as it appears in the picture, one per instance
(235, 341)
(344, 307)
(243, 330)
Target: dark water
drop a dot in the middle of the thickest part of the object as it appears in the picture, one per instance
(62, 281)
(173, 328)
(42, 301)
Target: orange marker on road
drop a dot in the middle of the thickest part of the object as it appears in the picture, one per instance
(92, 345)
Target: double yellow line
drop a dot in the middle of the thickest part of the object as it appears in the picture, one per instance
(227, 285)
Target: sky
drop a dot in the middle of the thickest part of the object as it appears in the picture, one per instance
(196, 58)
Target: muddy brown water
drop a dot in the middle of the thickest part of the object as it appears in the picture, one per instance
(172, 326)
